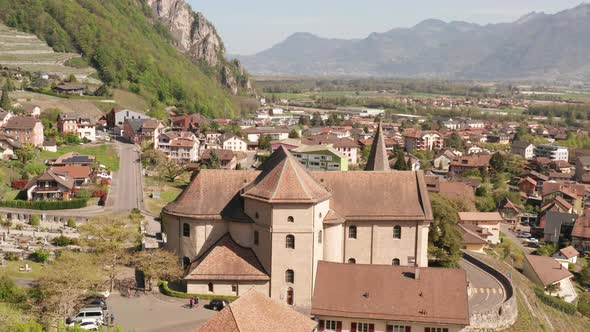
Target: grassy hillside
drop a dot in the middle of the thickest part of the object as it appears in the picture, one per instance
(118, 38)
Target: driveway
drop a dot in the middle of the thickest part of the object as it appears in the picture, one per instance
(486, 292)
(154, 313)
(505, 229)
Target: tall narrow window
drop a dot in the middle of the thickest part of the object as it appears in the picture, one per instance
(210, 287)
(290, 296)
(395, 262)
(351, 261)
(186, 230)
(186, 262)
(256, 237)
(397, 232)
(320, 237)
(290, 219)
(289, 276)
(352, 232)
(290, 242)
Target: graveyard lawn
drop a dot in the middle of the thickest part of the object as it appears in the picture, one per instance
(12, 270)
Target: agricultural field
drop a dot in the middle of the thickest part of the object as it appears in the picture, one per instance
(78, 106)
(26, 51)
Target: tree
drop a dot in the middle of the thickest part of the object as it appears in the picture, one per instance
(40, 256)
(152, 157)
(213, 162)
(584, 276)
(455, 142)
(552, 288)
(170, 170)
(498, 162)
(72, 139)
(26, 153)
(264, 142)
(400, 162)
(157, 264)
(111, 238)
(444, 240)
(5, 100)
(66, 280)
(293, 134)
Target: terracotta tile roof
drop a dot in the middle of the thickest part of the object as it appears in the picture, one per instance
(378, 160)
(333, 218)
(227, 260)
(547, 269)
(256, 312)
(21, 122)
(507, 204)
(569, 252)
(76, 172)
(49, 175)
(387, 292)
(330, 139)
(221, 154)
(469, 236)
(568, 188)
(480, 216)
(582, 226)
(182, 142)
(354, 195)
(283, 179)
(472, 161)
(457, 190)
(529, 180)
(210, 192)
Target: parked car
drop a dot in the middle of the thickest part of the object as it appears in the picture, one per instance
(104, 176)
(96, 302)
(525, 235)
(88, 314)
(533, 240)
(218, 304)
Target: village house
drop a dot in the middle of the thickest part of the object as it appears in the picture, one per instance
(417, 140)
(233, 143)
(545, 271)
(180, 146)
(556, 224)
(345, 146)
(117, 117)
(552, 152)
(28, 109)
(567, 255)
(472, 240)
(70, 89)
(227, 158)
(572, 193)
(82, 127)
(79, 174)
(256, 312)
(385, 298)
(190, 122)
(582, 173)
(510, 211)
(142, 131)
(320, 157)
(443, 160)
(498, 139)
(25, 130)
(523, 149)
(276, 133)
(4, 117)
(7, 146)
(581, 233)
(527, 186)
(50, 186)
(472, 162)
(283, 219)
(72, 159)
(488, 221)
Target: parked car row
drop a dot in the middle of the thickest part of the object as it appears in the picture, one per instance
(93, 314)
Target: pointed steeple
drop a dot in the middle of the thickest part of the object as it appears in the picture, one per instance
(378, 160)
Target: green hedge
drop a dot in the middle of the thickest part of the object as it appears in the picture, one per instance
(164, 289)
(45, 205)
(555, 302)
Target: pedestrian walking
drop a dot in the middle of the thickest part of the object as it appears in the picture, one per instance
(191, 302)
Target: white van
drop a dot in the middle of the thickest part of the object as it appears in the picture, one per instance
(89, 313)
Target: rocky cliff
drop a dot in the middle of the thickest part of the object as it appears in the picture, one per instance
(197, 37)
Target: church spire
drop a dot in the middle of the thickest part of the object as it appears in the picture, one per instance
(378, 160)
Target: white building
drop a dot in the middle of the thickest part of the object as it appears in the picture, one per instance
(523, 149)
(233, 143)
(552, 152)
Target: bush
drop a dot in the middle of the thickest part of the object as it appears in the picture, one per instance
(35, 220)
(555, 302)
(11, 256)
(584, 304)
(19, 184)
(83, 194)
(98, 193)
(164, 289)
(10, 292)
(40, 256)
(45, 205)
(64, 241)
(71, 223)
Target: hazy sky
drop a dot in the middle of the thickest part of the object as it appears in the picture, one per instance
(250, 26)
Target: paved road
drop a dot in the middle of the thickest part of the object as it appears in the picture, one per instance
(126, 193)
(505, 229)
(150, 313)
(486, 291)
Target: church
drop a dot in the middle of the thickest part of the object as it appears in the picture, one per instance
(268, 229)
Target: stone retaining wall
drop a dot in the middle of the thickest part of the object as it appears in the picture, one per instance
(503, 315)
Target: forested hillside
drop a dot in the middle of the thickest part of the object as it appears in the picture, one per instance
(128, 47)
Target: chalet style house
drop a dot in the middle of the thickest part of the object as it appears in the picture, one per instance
(268, 229)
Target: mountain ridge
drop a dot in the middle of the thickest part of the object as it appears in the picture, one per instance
(535, 46)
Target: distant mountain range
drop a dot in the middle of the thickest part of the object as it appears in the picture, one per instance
(538, 46)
